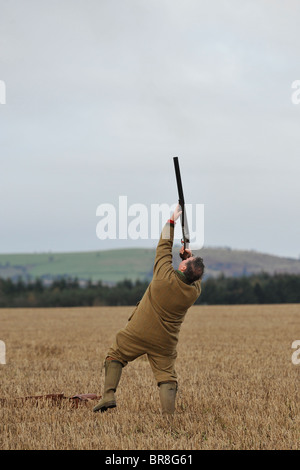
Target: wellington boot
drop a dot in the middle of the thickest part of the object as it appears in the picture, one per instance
(167, 393)
(113, 371)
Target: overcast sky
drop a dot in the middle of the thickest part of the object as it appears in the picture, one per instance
(101, 94)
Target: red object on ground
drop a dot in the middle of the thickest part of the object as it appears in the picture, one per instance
(57, 397)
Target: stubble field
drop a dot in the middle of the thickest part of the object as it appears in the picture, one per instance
(238, 387)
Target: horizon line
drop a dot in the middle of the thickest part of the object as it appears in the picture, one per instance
(210, 247)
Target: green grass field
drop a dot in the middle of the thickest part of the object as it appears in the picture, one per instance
(111, 266)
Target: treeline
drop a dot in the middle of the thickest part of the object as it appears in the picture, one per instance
(69, 293)
(255, 289)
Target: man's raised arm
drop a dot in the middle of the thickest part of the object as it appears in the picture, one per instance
(163, 258)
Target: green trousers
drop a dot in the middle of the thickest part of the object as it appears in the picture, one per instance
(127, 348)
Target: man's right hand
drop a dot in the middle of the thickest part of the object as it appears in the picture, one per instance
(185, 253)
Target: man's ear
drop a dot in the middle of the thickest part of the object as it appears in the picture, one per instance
(183, 268)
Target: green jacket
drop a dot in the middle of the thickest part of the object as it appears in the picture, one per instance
(157, 318)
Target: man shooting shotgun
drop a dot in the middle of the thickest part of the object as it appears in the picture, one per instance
(154, 325)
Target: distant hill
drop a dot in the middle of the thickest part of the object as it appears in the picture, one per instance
(242, 262)
(115, 265)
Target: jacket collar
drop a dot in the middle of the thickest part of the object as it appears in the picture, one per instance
(181, 275)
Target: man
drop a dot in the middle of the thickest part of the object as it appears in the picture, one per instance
(153, 328)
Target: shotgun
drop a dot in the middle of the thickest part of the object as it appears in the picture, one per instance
(184, 225)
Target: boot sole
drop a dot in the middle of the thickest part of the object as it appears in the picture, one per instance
(105, 407)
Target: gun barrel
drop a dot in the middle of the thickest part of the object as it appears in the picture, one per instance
(178, 179)
(184, 224)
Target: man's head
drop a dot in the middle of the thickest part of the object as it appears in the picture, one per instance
(192, 268)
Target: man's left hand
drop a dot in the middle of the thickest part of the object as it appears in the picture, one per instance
(177, 213)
